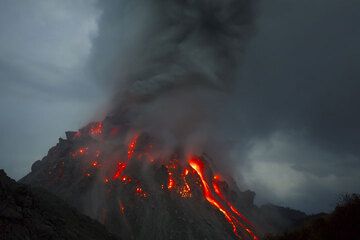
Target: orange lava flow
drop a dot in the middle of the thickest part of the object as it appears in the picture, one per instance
(132, 146)
(170, 170)
(171, 182)
(198, 166)
(233, 209)
(185, 192)
(120, 168)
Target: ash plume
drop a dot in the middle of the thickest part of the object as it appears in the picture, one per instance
(170, 64)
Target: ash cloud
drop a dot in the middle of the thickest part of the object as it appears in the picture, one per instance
(170, 64)
(157, 46)
(289, 102)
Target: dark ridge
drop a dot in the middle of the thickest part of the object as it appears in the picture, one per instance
(28, 213)
(343, 223)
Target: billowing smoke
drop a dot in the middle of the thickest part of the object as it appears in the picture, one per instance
(170, 64)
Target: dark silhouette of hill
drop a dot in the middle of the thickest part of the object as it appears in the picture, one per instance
(28, 213)
(343, 223)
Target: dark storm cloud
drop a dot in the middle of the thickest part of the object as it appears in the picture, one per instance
(299, 101)
(306, 72)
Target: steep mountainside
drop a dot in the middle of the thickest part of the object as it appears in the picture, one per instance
(120, 177)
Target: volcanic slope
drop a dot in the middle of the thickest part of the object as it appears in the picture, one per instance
(121, 177)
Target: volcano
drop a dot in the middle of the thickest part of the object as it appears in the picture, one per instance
(119, 176)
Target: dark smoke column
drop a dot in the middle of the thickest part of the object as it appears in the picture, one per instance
(170, 63)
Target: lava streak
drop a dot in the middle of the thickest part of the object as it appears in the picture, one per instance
(198, 166)
(171, 167)
(132, 146)
(185, 191)
(120, 168)
(232, 207)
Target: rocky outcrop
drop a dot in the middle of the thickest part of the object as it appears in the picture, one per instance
(29, 213)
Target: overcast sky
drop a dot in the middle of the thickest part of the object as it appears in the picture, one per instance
(296, 107)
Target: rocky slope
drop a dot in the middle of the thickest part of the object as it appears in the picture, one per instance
(30, 213)
(116, 175)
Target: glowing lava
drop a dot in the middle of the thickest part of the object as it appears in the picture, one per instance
(178, 176)
(171, 182)
(233, 209)
(95, 164)
(140, 192)
(185, 191)
(171, 167)
(96, 129)
(120, 168)
(197, 164)
(79, 152)
(132, 146)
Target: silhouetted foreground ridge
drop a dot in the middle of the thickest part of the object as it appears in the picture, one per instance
(29, 213)
(343, 223)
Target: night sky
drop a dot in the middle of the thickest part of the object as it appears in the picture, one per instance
(293, 116)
